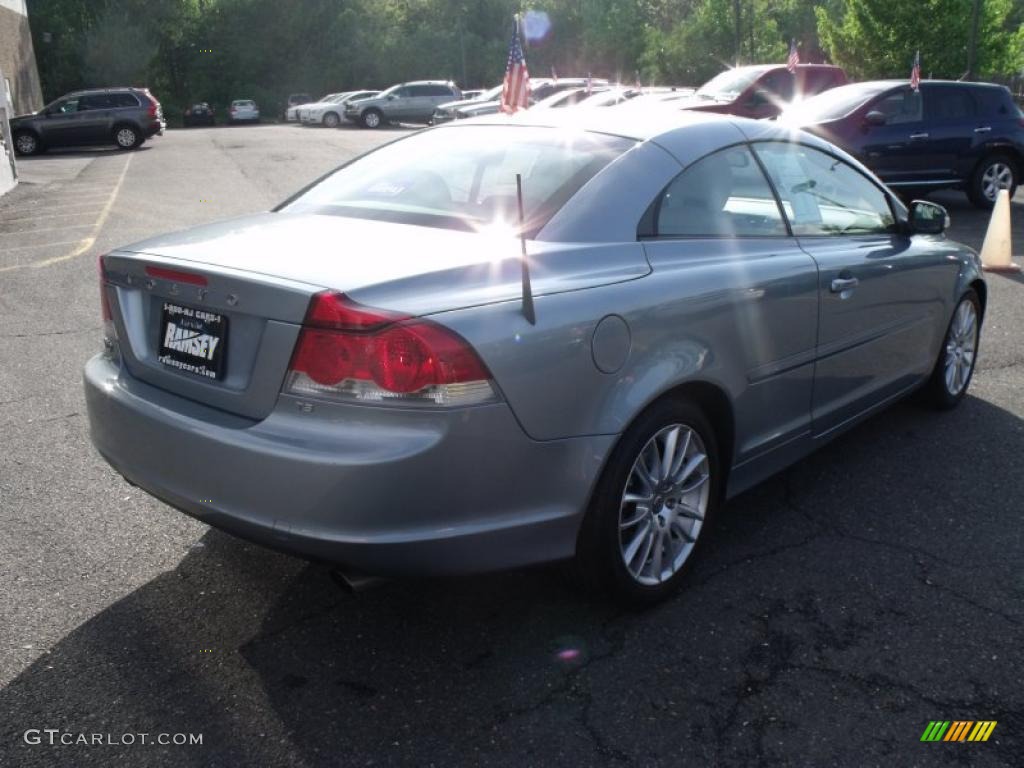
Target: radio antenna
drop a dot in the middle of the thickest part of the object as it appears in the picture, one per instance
(524, 262)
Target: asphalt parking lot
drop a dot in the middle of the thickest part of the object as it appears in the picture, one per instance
(835, 611)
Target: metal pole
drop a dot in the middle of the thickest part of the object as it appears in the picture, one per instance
(739, 29)
(972, 46)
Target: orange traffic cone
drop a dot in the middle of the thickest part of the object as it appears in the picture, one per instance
(996, 251)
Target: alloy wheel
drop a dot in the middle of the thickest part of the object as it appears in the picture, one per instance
(961, 345)
(664, 504)
(126, 138)
(372, 119)
(26, 143)
(997, 176)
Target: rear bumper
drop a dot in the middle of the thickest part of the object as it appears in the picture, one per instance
(377, 489)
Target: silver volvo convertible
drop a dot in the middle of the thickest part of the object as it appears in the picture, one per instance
(397, 371)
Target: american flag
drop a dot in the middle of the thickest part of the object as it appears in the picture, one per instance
(794, 56)
(554, 75)
(915, 72)
(515, 91)
(590, 84)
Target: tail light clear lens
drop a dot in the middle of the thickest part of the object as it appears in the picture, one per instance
(353, 353)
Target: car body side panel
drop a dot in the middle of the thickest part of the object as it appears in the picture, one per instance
(744, 323)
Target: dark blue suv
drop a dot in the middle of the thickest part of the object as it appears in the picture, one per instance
(968, 136)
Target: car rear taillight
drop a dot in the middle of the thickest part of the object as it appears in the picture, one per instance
(353, 353)
(109, 330)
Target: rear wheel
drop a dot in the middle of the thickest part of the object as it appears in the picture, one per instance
(127, 137)
(331, 120)
(372, 118)
(652, 503)
(955, 366)
(26, 143)
(994, 173)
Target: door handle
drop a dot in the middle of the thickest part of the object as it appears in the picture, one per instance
(842, 284)
(983, 129)
(919, 135)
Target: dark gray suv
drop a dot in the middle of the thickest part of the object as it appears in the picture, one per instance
(405, 102)
(125, 117)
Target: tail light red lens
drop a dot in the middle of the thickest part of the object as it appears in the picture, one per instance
(349, 352)
(109, 330)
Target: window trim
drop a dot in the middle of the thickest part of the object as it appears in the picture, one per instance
(656, 204)
(897, 227)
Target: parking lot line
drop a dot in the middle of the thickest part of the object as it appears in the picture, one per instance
(58, 228)
(88, 242)
(49, 216)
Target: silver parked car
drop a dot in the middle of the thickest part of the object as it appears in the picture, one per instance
(243, 111)
(406, 102)
(328, 113)
(710, 299)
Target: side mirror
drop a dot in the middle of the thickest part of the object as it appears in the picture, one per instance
(874, 117)
(757, 98)
(391, 97)
(927, 218)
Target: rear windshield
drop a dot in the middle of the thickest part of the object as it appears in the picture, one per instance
(464, 177)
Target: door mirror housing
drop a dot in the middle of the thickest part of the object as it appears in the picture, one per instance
(927, 218)
(874, 117)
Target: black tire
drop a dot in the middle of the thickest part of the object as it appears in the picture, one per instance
(600, 551)
(938, 391)
(127, 136)
(371, 118)
(997, 167)
(27, 143)
(331, 120)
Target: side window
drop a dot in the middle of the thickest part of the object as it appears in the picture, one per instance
(401, 93)
(948, 104)
(419, 90)
(902, 106)
(439, 90)
(123, 100)
(822, 195)
(722, 195)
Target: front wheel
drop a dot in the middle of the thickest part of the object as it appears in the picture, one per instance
(372, 118)
(955, 366)
(127, 137)
(26, 143)
(654, 500)
(994, 173)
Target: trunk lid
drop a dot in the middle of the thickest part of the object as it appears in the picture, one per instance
(262, 270)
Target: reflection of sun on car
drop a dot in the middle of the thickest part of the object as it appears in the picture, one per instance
(712, 299)
(329, 111)
(762, 90)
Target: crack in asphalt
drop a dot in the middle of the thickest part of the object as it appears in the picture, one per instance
(69, 332)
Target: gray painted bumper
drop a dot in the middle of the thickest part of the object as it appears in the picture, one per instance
(382, 490)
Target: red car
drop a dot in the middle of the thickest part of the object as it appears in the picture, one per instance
(763, 90)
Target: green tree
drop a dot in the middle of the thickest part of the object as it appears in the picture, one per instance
(878, 38)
